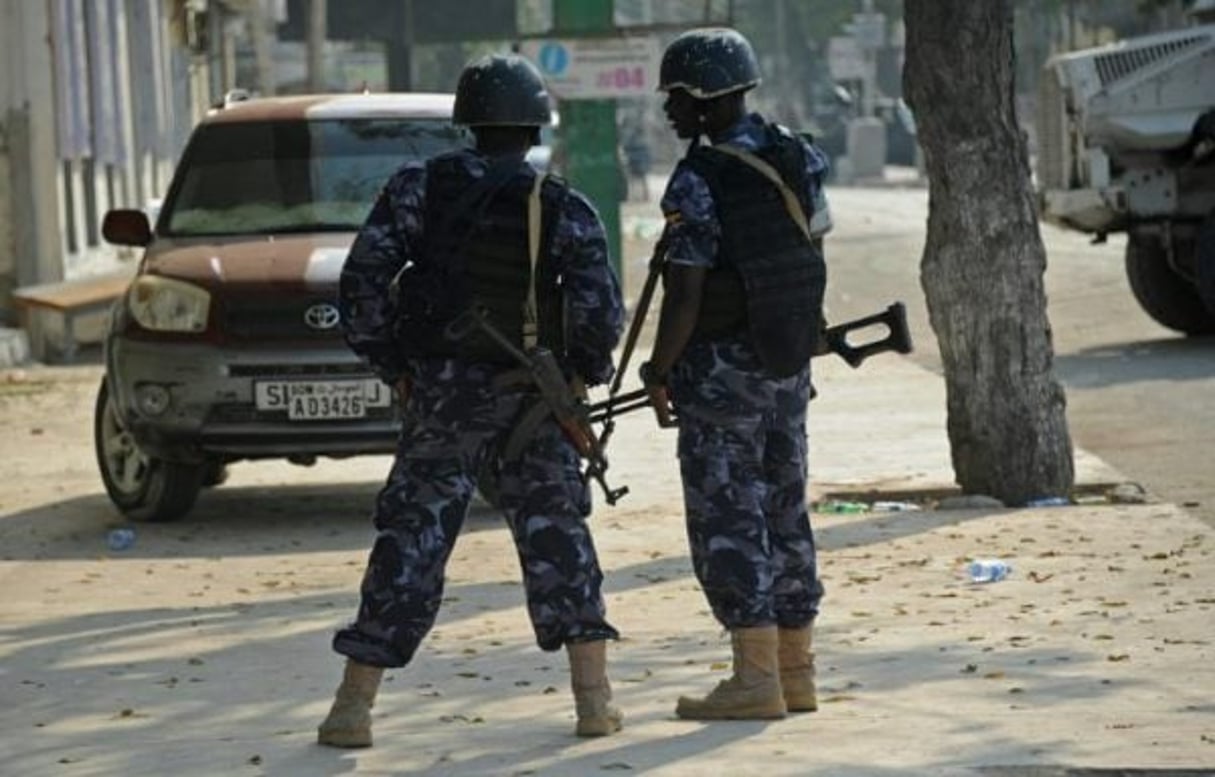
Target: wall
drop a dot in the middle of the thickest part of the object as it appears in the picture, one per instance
(96, 100)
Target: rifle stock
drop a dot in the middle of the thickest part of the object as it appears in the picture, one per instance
(897, 339)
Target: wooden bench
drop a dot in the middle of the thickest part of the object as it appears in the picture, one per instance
(69, 300)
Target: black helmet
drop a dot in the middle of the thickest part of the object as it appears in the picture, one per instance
(502, 90)
(708, 63)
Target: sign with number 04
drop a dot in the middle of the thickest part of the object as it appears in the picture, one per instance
(589, 68)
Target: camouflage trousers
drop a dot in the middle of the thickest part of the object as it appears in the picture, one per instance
(455, 418)
(742, 453)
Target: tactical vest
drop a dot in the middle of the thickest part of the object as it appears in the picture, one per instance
(479, 246)
(769, 278)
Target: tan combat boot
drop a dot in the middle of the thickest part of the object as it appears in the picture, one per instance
(349, 721)
(797, 669)
(588, 678)
(752, 692)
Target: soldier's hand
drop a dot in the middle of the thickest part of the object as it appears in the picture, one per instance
(656, 390)
(660, 399)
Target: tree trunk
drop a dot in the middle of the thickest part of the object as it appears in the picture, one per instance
(983, 263)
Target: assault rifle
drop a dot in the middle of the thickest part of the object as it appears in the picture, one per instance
(835, 339)
(897, 339)
(570, 410)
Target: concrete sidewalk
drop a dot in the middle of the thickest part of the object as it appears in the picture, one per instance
(206, 650)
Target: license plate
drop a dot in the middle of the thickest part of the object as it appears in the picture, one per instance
(321, 400)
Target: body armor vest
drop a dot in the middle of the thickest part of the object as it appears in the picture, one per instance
(476, 248)
(769, 278)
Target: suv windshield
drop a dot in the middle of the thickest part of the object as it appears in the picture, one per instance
(294, 176)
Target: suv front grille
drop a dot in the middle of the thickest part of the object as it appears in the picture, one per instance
(345, 370)
(271, 318)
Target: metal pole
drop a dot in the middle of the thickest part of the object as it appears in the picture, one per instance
(869, 98)
(588, 127)
(316, 44)
(259, 32)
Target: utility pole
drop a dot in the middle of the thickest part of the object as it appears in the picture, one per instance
(780, 79)
(869, 46)
(259, 32)
(588, 127)
(317, 17)
(400, 46)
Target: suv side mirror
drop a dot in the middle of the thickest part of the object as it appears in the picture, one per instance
(126, 227)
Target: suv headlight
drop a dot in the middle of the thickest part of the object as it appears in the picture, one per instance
(167, 305)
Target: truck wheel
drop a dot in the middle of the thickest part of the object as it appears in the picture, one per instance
(143, 487)
(1168, 298)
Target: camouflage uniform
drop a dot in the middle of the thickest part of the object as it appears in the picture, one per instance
(457, 415)
(742, 436)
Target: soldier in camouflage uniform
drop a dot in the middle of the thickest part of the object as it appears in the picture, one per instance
(443, 234)
(740, 319)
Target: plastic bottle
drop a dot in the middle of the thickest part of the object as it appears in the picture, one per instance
(988, 570)
(843, 507)
(894, 507)
(1049, 501)
(120, 539)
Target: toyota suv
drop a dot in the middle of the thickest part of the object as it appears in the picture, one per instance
(228, 343)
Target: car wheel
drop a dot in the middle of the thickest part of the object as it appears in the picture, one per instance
(1168, 298)
(143, 487)
(1205, 263)
(215, 473)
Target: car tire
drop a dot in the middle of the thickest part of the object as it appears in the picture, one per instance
(215, 473)
(1168, 298)
(143, 487)
(1204, 262)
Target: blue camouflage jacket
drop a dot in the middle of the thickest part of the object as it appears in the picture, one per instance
(723, 378)
(692, 230)
(392, 236)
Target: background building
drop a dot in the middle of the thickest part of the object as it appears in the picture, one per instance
(97, 98)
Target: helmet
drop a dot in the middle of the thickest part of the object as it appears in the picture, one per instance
(708, 63)
(501, 90)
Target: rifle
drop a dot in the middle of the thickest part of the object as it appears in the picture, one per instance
(897, 339)
(570, 411)
(834, 340)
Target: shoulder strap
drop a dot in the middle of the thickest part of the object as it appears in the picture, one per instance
(792, 204)
(531, 328)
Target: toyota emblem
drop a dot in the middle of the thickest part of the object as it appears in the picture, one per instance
(322, 316)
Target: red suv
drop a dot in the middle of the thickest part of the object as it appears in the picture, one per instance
(228, 343)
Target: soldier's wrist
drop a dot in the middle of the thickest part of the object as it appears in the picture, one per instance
(651, 375)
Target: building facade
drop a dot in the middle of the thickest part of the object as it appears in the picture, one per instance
(97, 98)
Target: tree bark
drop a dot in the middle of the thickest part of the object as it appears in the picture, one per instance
(984, 261)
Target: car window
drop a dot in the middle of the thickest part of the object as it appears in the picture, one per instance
(293, 176)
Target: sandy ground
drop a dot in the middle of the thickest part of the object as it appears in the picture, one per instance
(203, 649)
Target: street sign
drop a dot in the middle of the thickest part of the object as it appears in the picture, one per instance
(592, 68)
